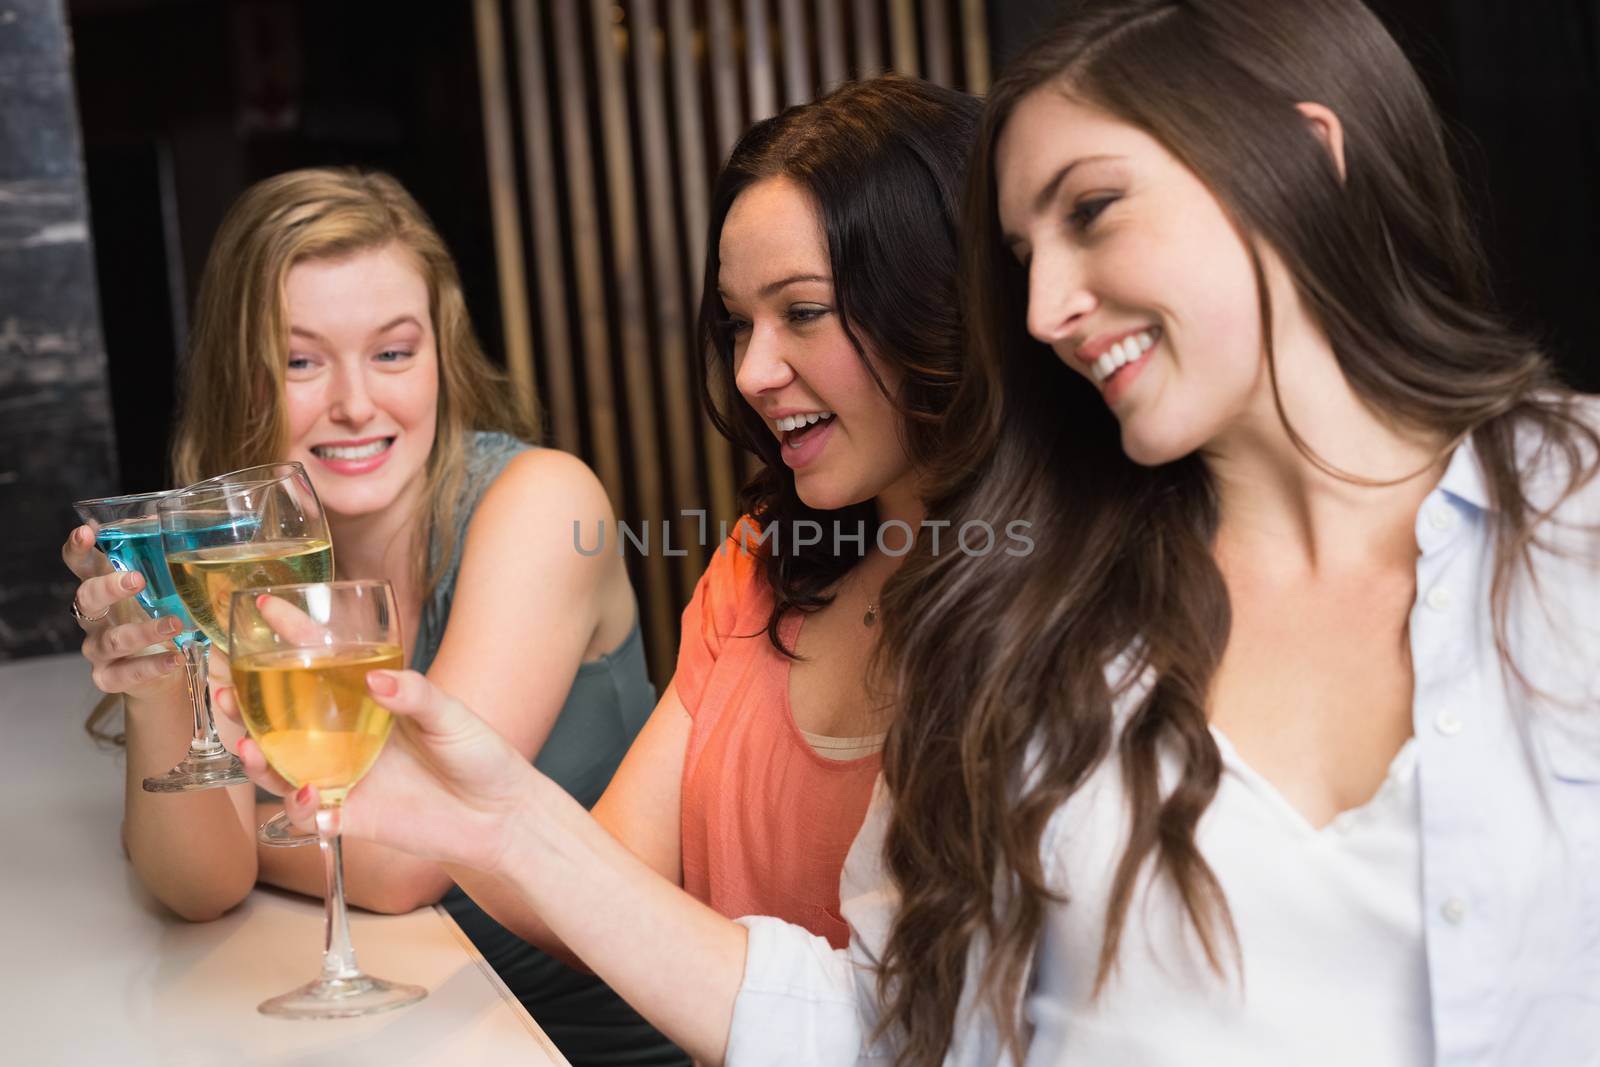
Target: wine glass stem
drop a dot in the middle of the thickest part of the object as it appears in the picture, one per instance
(338, 955)
(206, 742)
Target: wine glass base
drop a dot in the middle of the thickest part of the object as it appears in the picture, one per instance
(279, 832)
(342, 998)
(200, 772)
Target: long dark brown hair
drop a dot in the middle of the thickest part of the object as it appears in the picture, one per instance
(1000, 663)
(884, 161)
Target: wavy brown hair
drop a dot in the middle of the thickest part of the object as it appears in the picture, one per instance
(231, 412)
(1000, 663)
(884, 161)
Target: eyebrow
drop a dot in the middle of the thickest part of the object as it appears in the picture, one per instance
(783, 283)
(312, 335)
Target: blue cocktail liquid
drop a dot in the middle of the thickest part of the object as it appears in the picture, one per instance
(135, 545)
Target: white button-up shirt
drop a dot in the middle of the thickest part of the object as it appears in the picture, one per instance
(1503, 808)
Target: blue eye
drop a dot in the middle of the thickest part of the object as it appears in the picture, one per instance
(393, 355)
(299, 362)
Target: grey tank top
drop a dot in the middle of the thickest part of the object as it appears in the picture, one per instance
(605, 708)
(610, 698)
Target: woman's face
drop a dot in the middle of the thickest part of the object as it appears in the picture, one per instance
(362, 381)
(1136, 278)
(792, 361)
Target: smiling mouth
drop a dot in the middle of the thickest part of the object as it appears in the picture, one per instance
(353, 452)
(796, 429)
(1129, 350)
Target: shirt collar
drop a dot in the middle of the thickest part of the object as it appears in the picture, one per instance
(1463, 478)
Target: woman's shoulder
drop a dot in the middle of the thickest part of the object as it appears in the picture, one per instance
(738, 561)
(545, 505)
(733, 592)
(1559, 459)
(549, 481)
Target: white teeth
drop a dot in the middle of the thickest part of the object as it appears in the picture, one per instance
(366, 451)
(1121, 354)
(794, 422)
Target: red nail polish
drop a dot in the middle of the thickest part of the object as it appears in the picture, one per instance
(261, 601)
(303, 795)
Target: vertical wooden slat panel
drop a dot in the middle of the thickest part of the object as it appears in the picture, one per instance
(640, 384)
(903, 37)
(869, 42)
(560, 395)
(940, 56)
(758, 60)
(588, 269)
(724, 77)
(975, 36)
(695, 196)
(507, 222)
(672, 331)
(797, 88)
(830, 44)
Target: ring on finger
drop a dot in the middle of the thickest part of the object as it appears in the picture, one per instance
(77, 612)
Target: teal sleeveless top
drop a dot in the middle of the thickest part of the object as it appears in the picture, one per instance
(609, 701)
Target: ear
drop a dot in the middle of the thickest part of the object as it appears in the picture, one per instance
(1329, 130)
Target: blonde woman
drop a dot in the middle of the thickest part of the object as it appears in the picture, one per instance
(330, 329)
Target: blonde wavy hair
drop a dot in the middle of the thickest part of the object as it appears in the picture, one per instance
(232, 411)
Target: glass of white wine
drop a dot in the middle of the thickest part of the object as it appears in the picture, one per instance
(247, 528)
(300, 656)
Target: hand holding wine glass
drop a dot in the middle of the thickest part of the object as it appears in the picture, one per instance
(120, 630)
(300, 656)
(445, 788)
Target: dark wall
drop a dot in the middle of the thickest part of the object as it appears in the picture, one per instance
(1519, 86)
(55, 424)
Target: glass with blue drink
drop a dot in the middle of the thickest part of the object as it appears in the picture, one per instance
(128, 532)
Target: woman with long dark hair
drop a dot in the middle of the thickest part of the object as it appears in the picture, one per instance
(1284, 746)
(830, 320)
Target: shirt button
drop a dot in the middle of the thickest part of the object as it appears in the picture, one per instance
(1439, 598)
(1442, 518)
(1454, 911)
(1448, 723)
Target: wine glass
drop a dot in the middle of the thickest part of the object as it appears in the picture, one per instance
(240, 530)
(300, 656)
(127, 530)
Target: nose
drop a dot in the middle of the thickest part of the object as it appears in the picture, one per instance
(351, 401)
(1058, 296)
(761, 366)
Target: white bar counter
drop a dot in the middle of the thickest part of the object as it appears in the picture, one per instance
(94, 970)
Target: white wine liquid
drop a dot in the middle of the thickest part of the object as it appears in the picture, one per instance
(309, 710)
(207, 577)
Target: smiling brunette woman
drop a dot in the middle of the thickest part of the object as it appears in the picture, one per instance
(831, 327)
(330, 329)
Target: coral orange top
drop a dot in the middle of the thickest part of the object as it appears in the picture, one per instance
(766, 820)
